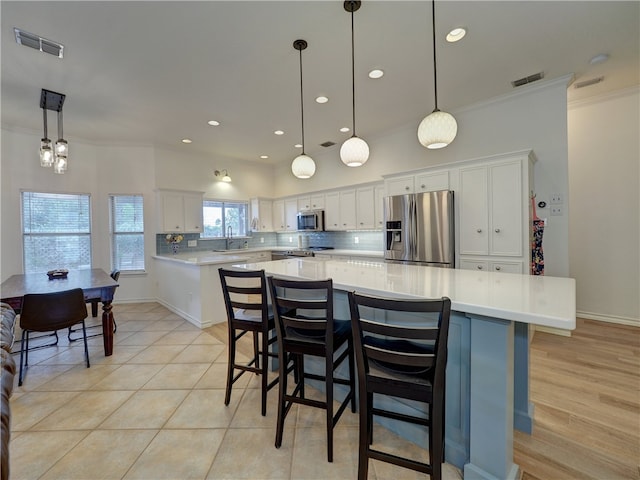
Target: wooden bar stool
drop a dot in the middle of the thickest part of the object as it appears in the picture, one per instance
(305, 325)
(401, 359)
(248, 310)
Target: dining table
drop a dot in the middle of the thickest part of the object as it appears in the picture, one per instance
(95, 283)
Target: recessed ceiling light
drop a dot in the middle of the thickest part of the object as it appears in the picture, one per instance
(213, 123)
(186, 140)
(456, 34)
(601, 58)
(298, 145)
(264, 156)
(322, 99)
(279, 132)
(344, 129)
(377, 73)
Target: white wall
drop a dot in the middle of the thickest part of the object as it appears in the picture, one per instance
(181, 170)
(604, 229)
(533, 118)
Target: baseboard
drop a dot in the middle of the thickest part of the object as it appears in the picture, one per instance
(553, 331)
(633, 322)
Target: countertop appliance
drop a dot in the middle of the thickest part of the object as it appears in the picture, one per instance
(310, 221)
(299, 252)
(419, 229)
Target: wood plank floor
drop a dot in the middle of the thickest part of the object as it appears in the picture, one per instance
(586, 391)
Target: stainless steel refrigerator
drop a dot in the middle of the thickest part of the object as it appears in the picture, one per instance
(419, 229)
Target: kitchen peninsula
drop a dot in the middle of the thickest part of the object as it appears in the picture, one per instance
(488, 363)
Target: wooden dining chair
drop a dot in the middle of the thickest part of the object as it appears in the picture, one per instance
(48, 312)
(305, 325)
(401, 352)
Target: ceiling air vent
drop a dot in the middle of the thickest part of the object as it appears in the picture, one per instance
(328, 144)
(35, 41)
(530, 79)
(589, 82)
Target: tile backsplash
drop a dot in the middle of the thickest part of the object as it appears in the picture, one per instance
(366, 240)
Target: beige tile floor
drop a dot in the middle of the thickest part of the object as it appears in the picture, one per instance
(155, 410)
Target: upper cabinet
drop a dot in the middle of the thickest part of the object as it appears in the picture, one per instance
(378, 208)
(290, 213)
(179, 211)
(261, 215)
(332, 211)
(278, 216)
(365, 208)
(431, 181)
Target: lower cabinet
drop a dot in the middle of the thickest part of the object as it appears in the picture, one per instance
(492, 266)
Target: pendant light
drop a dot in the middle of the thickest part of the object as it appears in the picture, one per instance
(355, 151)
(56, 155)
(62, 149)
(303, 165)
(438, 129)
(46, 154)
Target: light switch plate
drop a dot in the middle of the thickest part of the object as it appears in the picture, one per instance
(192, 243)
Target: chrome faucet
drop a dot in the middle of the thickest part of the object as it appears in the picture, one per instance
(229, 237)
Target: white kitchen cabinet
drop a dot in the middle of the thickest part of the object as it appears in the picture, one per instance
(400, 185)
(332, 211)
(261, 215)
(491, 266)
(491, 217)
(290, 214)
(432, 181)
(317, 201)
(348, 217)
(365, 208)
(304, 203)
(179, 211)
(278, 216)
(378, 208)
(493, 213)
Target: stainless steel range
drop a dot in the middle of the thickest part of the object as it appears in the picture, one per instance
(298, 252)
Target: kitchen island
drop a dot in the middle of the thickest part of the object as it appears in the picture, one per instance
(488, 350)
(189, 285)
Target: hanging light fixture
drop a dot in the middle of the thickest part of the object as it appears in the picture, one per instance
(46, 154)
(303, 165)
(56, 156)
(354, 151)
(438, 129)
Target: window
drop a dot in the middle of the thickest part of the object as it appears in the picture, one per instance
(222, 218)
(127, 232)
(56, 231)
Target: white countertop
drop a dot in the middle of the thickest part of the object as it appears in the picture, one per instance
(538, 300)
(202, 258)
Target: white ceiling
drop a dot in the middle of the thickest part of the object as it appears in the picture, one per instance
(155, 72)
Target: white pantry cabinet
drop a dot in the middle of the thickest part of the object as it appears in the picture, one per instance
(494, 214)
(332, 211)
(179, 211)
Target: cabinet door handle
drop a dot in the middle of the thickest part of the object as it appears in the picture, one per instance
(479, 230)
(498, 268)
(497, 230)
(479, 267)
(423, 186)
(406, 188)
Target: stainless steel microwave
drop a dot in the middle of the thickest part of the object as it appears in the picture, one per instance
(311, 221)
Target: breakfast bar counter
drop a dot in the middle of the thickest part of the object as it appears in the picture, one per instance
(487, 389)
